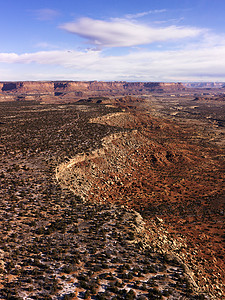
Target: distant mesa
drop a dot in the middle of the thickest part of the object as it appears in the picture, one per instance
(110, 87)
(204, 85)
(72, 91)
(79, 86)
(9, 86)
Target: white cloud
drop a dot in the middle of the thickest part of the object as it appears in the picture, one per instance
(46, 14)
(203, 63)
(125, 33)
(64, 58)
(145, 13)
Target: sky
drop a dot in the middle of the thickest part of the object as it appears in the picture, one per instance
(113, 40)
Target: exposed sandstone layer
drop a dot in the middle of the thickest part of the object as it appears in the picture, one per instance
(79, 86)
(27, 87)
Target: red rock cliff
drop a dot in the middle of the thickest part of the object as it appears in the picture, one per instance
(38, 87)
(27, 87)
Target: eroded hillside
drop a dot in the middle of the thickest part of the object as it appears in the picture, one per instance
(157, 169)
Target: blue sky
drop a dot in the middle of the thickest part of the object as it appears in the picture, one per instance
(144, 40)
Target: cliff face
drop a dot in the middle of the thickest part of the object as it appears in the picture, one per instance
(37, 87)
(27, 87)
(51, 91)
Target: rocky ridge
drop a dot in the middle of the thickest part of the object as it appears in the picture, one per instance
(104, 174)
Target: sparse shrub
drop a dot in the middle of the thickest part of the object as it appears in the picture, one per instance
(200, 297)
(68, 269)
(130, 295)
(154, 293)
(167, 293)
(87, 294)
(69, 296)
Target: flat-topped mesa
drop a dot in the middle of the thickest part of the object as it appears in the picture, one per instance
(73, 86)
(207, 85)
(70, 86)
(37, 87)
(27, 87)
(164, 86)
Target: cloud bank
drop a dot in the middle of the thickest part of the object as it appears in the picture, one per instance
(177, 65)
(125, 33)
